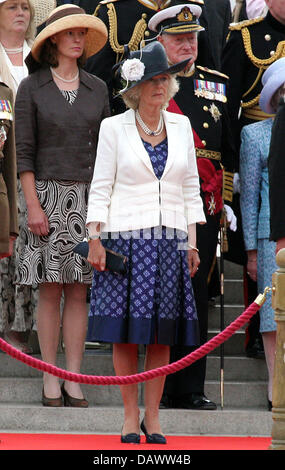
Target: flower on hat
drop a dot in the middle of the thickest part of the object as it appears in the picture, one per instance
(133, 70)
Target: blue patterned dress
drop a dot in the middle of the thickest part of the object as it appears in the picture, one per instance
(254, 201)
(154, 301)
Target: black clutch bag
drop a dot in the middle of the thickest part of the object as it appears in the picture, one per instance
(115, 262)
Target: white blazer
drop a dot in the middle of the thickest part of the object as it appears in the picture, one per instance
(125, 194)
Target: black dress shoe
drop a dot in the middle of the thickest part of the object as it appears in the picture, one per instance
(152, 438)
(256, 350)
(166, 402)
(131, 438)
(269, 405)
(196, 401)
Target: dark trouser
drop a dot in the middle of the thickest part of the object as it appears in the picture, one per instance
(191, 379)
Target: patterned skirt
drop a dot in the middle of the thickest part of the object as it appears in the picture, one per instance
(154, 301)
(50, 258)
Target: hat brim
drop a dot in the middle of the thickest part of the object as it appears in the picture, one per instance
(267, 92)
(173, 69)
(96, 36)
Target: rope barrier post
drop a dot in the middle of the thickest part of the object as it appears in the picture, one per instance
(278, 401)
(222, 317)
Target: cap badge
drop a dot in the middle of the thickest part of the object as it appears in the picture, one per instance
(185, 15)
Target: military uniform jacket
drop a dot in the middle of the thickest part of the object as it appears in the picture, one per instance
(8, 174)
(252, 46)
(202, 98)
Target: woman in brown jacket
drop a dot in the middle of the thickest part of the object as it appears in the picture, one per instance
(59, 108)
(8, 178)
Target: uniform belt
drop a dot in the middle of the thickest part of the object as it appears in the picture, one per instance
(255, 113)
(208, 154)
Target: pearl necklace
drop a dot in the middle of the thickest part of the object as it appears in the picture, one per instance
(14, 51)
(64, 79)
(146, 129)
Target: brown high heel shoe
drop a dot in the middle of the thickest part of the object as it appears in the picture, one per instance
(71, 401)
(55, 402)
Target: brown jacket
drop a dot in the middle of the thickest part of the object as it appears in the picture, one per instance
(54, 139)
(8, 175)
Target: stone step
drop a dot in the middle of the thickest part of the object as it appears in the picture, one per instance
(233, 291)
(108, 419)
(231, 270)
(100, 363)
(236, 394)
(231, 313)
(234, 346)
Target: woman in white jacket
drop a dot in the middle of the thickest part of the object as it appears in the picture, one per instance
(144, 203)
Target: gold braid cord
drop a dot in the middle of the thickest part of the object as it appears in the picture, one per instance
(136, 38)
(261, 64)
(228, 178)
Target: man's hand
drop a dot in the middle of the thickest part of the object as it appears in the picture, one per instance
(231, 218)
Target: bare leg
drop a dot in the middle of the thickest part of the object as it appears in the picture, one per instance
(48, 325)
(125, 359)
(74, 326)
(157, 355)
(269, 343)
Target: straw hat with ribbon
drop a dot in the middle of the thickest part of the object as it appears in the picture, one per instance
(70, 16)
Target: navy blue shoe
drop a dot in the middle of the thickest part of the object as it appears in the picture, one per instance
(152, 438)
(131, 438)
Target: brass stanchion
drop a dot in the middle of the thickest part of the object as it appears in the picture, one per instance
(278, 401)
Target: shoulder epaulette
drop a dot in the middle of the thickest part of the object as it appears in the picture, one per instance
(244, 24)
(214, 72)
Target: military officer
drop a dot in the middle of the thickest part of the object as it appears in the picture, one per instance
(252, 46)
(201, 97)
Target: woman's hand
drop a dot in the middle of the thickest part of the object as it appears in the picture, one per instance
(251, 266)
(193, 261)
(97, 255)
(37, 220)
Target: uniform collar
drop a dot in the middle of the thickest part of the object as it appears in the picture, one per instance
(275, 24)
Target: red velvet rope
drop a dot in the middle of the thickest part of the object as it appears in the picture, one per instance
(143, 376)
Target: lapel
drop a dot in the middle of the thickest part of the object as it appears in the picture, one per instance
(135, 141)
